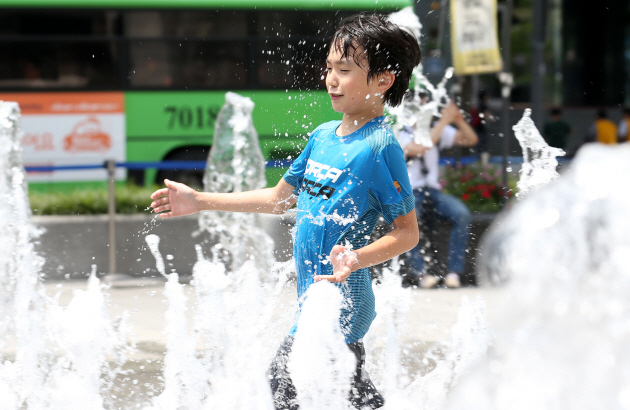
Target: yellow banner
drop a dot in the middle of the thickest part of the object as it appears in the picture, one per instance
(474, 37)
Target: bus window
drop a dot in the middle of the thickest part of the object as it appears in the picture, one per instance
(59, 49)
(188, 63)
(59, 64)
(204, 49)
(186, 24)
(294, 47)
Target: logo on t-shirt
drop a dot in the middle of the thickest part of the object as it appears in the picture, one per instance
(322, 171)
(397, 185)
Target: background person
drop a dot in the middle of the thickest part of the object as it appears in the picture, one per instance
(423, 169)
(556, 131)
(623, 131)
(603, 130)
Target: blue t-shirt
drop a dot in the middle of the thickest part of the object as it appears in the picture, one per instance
(344, 184)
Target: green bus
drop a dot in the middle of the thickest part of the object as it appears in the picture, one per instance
(143, 80)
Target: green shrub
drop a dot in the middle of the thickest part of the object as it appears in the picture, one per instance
(130, 199)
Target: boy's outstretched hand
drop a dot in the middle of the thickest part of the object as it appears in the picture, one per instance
(342, 260)
(177, 198)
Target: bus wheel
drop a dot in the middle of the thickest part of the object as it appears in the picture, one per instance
(192, 178)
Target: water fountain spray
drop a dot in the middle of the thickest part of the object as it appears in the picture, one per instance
(236, 164)
(60, 354)
(539, 159)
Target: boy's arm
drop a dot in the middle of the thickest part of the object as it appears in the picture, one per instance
(181, 200)
(403, 237)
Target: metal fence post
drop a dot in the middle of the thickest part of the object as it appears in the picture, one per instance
(506, 80)
(111, 208)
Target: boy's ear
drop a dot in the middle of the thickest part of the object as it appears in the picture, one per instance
(386, 80)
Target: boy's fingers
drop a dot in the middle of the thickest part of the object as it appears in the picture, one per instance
(159, 193)
(159, 201)
(162, 208)
(339, 277)
(329, 278)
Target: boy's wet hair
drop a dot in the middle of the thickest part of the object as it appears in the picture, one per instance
(386, 46)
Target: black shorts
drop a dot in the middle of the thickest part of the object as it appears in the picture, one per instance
(362, 393)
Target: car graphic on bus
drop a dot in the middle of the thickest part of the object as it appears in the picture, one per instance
(87, 136)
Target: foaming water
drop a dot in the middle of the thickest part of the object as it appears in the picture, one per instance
(562, 341)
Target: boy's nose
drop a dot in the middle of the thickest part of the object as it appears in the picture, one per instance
(331, 80)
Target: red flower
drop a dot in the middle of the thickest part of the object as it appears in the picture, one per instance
(465, 197)
(486, 194)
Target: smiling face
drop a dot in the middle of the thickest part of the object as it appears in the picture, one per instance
(350, 90)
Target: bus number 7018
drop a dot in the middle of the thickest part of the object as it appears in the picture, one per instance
(186, 117)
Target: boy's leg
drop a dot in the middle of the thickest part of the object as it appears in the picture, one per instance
(363, 393)
(282, 388)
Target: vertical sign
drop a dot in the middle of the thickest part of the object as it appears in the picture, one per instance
(72, 129)
(474, 37)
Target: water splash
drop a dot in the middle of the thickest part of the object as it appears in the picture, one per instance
(236, 164)
(562, 342)
(413, 112)
(320, 364)
(468, 343)
(58, 355)
(215, 366)
(185, 377)
(88, 338)
(539, 159)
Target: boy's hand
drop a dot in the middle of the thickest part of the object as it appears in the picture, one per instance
(177, 198)
(342, 261)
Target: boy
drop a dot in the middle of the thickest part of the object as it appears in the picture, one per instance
(350, 172)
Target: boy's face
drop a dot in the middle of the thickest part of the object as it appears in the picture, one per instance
(348, 86)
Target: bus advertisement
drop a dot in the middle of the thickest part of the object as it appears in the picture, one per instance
(143, 81)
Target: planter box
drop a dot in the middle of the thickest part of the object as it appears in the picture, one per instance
(72, 244)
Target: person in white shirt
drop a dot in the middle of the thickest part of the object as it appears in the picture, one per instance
(423, 169)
